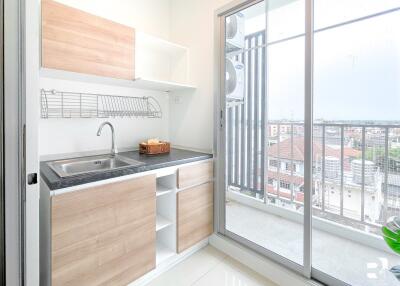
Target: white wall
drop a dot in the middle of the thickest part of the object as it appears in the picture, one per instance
(59, 136)
(191, 119)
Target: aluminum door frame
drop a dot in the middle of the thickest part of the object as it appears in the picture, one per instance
(2, 189)
(220, 134)
(14, 122)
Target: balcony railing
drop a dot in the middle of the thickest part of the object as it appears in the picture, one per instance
(356, 168)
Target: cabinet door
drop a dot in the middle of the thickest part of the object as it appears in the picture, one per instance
(195, 215)
(76, 41)
(195, 174)
(104, 235)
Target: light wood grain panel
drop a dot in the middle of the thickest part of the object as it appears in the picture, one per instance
(104, 235)
(195, 215)
(76, 41)
(195, 174)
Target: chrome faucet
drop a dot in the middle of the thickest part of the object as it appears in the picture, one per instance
(113, 146)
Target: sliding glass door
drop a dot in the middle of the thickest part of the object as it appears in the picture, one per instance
(309, 134)
(262, 179)
(356, 130)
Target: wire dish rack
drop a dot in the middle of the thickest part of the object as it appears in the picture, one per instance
(61, 104)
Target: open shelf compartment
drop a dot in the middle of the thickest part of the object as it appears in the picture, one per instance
(166, 185)
(166, 216)
(160, 64)
(162, 222)
(163, 252)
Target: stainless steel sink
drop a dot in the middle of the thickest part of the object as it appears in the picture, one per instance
(72, 167)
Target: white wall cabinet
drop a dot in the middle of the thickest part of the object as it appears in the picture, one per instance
(143, 61)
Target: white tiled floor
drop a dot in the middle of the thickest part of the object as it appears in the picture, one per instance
(209, 267)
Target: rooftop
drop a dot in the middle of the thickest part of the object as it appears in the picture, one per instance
(285, 150)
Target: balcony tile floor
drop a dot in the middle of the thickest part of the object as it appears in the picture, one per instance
(347, 260)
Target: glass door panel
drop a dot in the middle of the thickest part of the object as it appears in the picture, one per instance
(356, 130)
(265, 130)
(245, 116)
(356, 135)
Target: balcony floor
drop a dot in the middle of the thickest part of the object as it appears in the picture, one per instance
(346, 260)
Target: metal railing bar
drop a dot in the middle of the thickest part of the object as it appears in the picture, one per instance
(249, 77)
(341, 169)
(323, 167)
(363, 175)
(256, 101)
(242, 134)
(237, 142)
(265, 106)
(278, 159)
(367, 125)
(263, 120)
(291, 161)
(385, 190)
(243, 146)
(230, 145)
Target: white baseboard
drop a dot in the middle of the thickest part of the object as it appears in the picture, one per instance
(263, 266)
(168, 264)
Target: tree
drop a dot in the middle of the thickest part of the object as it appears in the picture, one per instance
(378, 153)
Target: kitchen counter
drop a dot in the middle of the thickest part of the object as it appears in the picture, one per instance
(175, 157)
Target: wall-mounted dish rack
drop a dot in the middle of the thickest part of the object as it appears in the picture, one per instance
(60, 104)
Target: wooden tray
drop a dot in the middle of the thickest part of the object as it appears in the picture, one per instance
(154, 149)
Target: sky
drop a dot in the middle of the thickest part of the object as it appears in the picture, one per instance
(356, 67)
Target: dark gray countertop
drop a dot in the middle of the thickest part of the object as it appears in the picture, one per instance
(175, 157)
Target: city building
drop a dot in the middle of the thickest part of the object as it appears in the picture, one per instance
(286, 171)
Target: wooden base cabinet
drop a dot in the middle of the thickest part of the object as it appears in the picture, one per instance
(195, 214)
(104, 235)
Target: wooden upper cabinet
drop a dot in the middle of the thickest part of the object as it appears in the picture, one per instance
(76, 41)
(104, 235)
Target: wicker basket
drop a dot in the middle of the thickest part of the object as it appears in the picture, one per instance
(154, 149)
